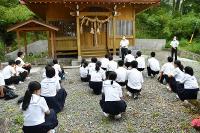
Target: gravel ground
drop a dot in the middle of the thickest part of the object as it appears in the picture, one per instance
(156, 110)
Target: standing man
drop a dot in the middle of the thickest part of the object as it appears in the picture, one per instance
(124, 46)
(174, 44)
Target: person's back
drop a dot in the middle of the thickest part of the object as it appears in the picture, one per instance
(154, 64)
(104, 62)
(190, 82)
(129, 57)
(112, 65)
(83, 71)
(135, 79)
(121, 74)
(97, 76)
(8, 72)
(167, 68)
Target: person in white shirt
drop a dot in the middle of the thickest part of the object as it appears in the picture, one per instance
(9, 73)
(84, 71)
(135, 80)
(141, 61)
(37, 116)
(92, 64)
(128, 59)
(174, 44)
(104, 62)
(60, 74)
(112, 65)
(189, 87)
(121, 74)
(21, 71)
(124, 46)
(153, 65)
(112, 102)
(52, 92)
(97, 77)
(2, 84)
(176, 76)
(166, 69)
(27, 66)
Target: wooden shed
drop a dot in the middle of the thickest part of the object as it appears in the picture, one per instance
(90, 27)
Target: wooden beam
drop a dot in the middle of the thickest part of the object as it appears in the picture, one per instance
(78, 36)
(95, 14)
(25, 44)
(33, 29)
(52, 45)
(114, 30)
(18, 40)
(133, 23)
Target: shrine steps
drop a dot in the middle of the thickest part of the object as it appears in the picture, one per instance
(93, 53)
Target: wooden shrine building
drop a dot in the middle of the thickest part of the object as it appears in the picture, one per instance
(89, 27)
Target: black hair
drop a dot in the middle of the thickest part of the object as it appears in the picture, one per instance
(82, 61)
(32, 86)
(50, 72)
(20, 54)
(153, 54)
(85, 64)
(98, 65)
(17, 62)
(139, 53)
(169, 59)
(129, 51)
(110, 57)
(93, 59)
(11, 62)
(112, 76)
(106, 55)
(134, 64)
(189, 70)
(179, 65)
(55, 61)
(120, 63)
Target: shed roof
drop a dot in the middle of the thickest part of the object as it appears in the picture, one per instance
(32, 25)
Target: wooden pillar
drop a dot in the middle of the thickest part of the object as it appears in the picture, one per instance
(52, 45)
(78, 36)
(133, 21)
(114, 30)
(18, 40)
(54, 40)
(25, 44)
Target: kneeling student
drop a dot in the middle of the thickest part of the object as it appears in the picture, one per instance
(153, 66)
(141, 61)
(189, 88)
(84, 71)
(112, 103)
(21, 71)
(52, 92)
(97, 77)
(121, 73)
(37, 116)
(135, 80)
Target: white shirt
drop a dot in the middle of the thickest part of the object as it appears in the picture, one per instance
(112, 92)
(19, 70)
(91, 67)
(129, 58)
(112, 65)
(35, 113)
(98, 76)
(8, 72)
(135, 79)
(57, 70)
(174, 43)
(124, 43)
(167, 68)
(2, 82)
(121, 74)
(21, 63)
(83, 72)
(178, 74)
(141, 62)
(154, 64)
(190, 82)
(49, 87)
(104, 63)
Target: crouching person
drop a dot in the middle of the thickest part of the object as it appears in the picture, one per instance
(112, 103)
(21, 72)
(52, 92)
(37, 116)
(189, 87)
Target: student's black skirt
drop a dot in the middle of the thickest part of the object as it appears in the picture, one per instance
(23, 76)
(140, 69)
(50, 123)
(113, 107)
(128, 64)
(103, 68)
(12, 80)
(173, 84)
(122, 83)
(133, 91)
(86, 79)
(186, 94)
(151, 72)
(57, 102)
(28, 68)
(164, 77)
(96, 86)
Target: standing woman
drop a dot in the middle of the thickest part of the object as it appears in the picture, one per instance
(97, 77)
(174, 44)
(37, 116)
(27, 66)
(124, 46)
